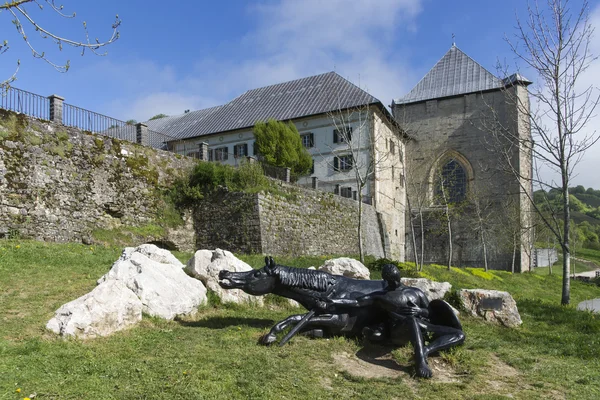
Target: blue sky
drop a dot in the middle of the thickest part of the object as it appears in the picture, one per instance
(194, 54)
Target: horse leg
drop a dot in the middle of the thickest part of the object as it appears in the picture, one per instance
(333, 322)
(271, 337)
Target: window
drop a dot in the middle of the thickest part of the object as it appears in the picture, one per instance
(193, 154)
(240, 150)
(308, 140)
(392, 147)
(343, 163)
(343, 135)
(254, 150)
(221, 154)
(451, 185)
(210, 155)
(346, 192)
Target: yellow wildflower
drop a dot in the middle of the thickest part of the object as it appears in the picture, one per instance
(18, 246)
(18, 390)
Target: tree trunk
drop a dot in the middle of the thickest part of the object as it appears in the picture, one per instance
(412, 232)
(360, 241)
(514, 255)
(566, 286)
(484, 244)
(422, 239)
(449, 238)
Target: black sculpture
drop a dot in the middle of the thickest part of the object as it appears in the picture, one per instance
(381, 310)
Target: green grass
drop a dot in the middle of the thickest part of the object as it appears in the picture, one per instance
(555, 354)
(589, 254)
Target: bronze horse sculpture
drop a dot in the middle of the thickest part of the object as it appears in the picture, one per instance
(384, 310)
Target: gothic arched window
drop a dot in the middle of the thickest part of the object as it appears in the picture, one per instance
(451, 183)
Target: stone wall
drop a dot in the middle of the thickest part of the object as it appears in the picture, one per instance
(59, 184)
(295, 222)
(466, 128)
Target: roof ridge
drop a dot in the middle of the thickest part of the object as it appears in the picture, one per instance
(453, 74)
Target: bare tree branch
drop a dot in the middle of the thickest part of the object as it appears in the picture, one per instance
(22, 20)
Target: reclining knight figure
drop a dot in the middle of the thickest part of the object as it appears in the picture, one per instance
(412, 318)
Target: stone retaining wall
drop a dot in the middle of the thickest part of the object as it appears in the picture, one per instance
(59, 184)
(295, 222)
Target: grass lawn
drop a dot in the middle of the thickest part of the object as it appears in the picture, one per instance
(554, 355)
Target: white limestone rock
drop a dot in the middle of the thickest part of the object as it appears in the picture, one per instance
(159, 281)
(433, 290)
(109, 308)
(492, 306)
(206, 265)
(347, 267)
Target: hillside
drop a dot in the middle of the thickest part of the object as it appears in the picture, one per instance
(555, 354)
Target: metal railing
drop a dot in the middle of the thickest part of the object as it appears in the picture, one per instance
(159, 140)
(87, 120)
(25, 102)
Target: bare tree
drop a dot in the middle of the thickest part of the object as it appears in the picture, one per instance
(482, 221)
(23, 22)
(361, 152)
(553, 42)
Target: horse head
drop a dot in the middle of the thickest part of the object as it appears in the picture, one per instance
(255, 282)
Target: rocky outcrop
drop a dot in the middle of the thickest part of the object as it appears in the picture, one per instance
(433, 290)
(347, 267)
(206, 265)
(144, 279)
(108, 308)
(158, 279)
(491, 305)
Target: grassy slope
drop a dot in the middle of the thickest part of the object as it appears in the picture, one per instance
(555, 354)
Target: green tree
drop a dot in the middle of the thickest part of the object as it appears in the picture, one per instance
(158, 116)
(279, 144)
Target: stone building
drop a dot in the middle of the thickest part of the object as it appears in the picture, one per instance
(344, 128)
(465, 124)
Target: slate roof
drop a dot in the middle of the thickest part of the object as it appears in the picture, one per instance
(456, 73)
(284, 101)
(173, 125)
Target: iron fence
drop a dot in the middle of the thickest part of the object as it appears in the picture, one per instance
(97, 123)
(25, 102)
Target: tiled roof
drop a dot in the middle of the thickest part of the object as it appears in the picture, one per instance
(456, 73)
(173, 125)
(284, 101)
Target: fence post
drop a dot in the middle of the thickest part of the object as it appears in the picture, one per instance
(141, 134)
(56, 108)
(315, 182)
(287, 175)
(203, 151)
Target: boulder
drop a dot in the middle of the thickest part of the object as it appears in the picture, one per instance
(206, 265)
(110, 307)
(433, 290)
(347, 267)
(491, 305)
(158, 279)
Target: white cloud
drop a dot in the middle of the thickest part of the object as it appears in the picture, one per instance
(293, 39)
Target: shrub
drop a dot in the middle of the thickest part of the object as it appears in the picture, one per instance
(406, 270)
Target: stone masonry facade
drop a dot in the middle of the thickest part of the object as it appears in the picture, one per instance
(59, 184)
(466, 128)
(296, 222)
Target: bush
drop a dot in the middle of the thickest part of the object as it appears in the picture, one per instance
(208, 176)
(406, 270)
